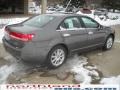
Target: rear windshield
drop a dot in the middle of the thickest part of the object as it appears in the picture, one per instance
(39, 21)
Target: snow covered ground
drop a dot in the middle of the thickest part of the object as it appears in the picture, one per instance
(78, 66)
(7, 21)
(85, 73)
(13, 67)
(111, 80)
(1, 34)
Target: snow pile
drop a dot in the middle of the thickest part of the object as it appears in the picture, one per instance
(8, 21)
(117, 41)
(14, 67)
(83, 73)
(1, 34)
(111, 80)
(5, 71)
(78, 66)
(108, 22)
(114, 18)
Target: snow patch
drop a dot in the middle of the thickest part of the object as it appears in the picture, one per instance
(82, 73)
(8, 21)
(14, 67)
(5, 71)
(111, 80)
(78, 66)
(1, 34)
(117, 41)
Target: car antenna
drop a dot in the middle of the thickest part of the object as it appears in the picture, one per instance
(68, 5)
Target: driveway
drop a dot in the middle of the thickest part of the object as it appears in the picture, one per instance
(108, 61)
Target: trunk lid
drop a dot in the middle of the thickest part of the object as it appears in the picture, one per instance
(17, 35)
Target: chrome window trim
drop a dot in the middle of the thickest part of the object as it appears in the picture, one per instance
(91, 28)
(74, 29)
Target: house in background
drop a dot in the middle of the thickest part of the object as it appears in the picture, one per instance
(19, 6)
(22, 6)
(13, 6)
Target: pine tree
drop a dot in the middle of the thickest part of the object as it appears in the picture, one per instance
(75, 3)
(111, 4)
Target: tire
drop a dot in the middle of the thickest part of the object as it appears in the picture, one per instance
(109, 43)
(55, 60)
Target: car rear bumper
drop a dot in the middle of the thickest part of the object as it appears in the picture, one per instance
(28, 53)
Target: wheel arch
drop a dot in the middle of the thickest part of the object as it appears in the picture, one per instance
(111, 34)
(63, 45)
(52, 48)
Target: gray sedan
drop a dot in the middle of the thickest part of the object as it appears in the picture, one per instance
(50, 38)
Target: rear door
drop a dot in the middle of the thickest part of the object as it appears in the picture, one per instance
(96, 35)
(74, 35)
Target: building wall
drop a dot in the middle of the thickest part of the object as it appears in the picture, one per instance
(26, 6)
(11, 6)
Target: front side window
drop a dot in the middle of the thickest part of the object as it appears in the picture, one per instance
(89, 23)
(70, 23)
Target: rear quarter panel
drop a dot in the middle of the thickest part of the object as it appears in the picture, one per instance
(48, 37)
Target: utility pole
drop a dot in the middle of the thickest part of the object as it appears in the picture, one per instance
(44, 6)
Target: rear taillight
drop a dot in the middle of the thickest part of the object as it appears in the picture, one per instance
(20, 36)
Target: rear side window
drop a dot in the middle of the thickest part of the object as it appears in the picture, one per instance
(89, 23)
(39, 21)
(70, 23)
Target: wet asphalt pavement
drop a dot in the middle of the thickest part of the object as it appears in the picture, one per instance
(107, 62)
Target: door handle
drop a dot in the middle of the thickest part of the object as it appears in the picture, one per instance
(66, 35)
(90, 33)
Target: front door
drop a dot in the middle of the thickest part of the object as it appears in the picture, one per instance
(74, 35)
(96, 36)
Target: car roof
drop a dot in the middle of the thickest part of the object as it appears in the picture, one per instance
(63, 14)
